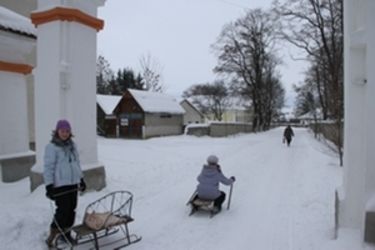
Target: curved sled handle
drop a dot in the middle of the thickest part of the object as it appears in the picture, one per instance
(230, 195)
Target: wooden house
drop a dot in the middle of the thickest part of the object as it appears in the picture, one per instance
(144, 114)
(106, 117)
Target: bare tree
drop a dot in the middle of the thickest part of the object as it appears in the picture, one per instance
(151, 73)
(209, 98)
(104, 75)
(246, 54)
(316, 26)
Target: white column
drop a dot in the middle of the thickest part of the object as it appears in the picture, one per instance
(65, 80)
(352, 208)
(370, 102)
(15, 156)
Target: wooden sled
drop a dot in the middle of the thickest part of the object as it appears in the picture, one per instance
(203, 205)
(104, 217)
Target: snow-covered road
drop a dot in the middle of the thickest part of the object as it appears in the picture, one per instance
(283, 198)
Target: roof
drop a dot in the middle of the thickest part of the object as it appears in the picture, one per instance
(108, 102)
(310, 115)
(192, 106)
(153, 102)
(14, 22)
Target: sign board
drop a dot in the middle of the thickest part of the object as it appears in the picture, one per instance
(124, 122)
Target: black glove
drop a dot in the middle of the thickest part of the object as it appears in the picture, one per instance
(233, 178)
(82, 185)
(50, 191)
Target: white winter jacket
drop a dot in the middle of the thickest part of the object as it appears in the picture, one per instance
(61, 164)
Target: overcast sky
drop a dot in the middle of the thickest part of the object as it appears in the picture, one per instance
(178, 34)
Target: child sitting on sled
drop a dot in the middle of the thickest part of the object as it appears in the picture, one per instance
(209, 179)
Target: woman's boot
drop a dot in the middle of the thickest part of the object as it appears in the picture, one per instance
(67, 237)
(54, 232)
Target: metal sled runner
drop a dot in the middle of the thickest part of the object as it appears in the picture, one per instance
(105, 217)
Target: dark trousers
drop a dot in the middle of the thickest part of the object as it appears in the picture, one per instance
(219, 200)
(288, 141)
(66, 203)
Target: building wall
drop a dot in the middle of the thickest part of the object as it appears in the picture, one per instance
(15, 157)
(236, 115)
(162, 124)
(359, 143)
(130, 117)
(24, 8)
(14, 136)
(66, 71)
(134, 123)
(219, 129)
(106, 124)
(191, 115)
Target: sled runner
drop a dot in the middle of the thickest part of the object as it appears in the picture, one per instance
(103, 218)
(205, 205)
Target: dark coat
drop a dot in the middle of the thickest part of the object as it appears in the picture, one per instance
(288, 133)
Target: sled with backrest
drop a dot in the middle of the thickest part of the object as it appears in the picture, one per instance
(103, 219)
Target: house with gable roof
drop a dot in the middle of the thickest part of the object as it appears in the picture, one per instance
(144, 114)
(192, 114)
(106, 116)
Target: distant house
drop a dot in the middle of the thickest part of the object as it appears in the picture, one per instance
(106, 116)
(192, 114)
(309, 117)
(143, 114)
(237, 114)
(287, 115)
(235, 111)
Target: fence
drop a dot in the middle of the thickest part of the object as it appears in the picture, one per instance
(218, 129)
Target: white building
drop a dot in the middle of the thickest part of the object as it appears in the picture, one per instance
(356, 204)
(17, 44)
(192, 114)
(64, 77)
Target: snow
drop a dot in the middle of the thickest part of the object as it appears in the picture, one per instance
(108, 102)
(153, 102)
(283, 198)
(16, 22)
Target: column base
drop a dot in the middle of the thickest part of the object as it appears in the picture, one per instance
(94, 175)
(16, 166)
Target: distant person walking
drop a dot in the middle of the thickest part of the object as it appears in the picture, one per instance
(63, 179)
(288, 134)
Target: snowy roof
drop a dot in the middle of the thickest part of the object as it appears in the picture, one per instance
(12, 21)
(108, 102)
(310, 115)
(153, 102)
(190, 102)
(288, 112)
